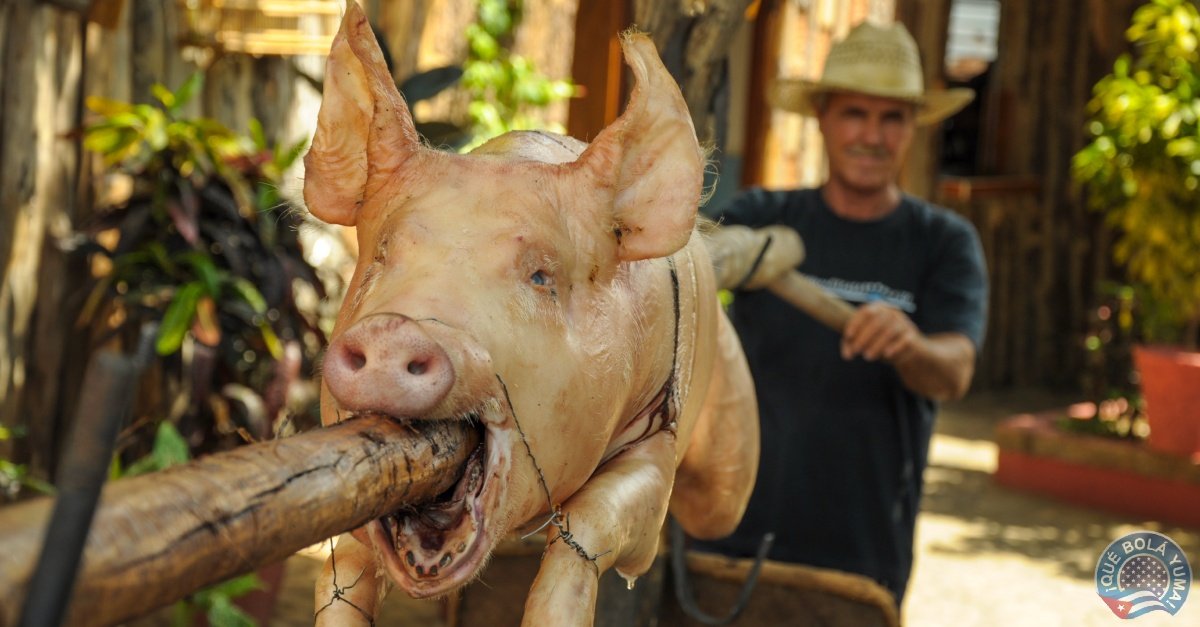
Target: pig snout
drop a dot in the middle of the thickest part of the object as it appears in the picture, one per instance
(389, 364)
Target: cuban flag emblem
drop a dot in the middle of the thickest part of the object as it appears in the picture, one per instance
(1143, 572)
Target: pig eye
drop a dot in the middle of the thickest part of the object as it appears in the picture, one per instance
(545, 281)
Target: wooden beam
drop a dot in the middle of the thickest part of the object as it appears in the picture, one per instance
(764, 66)
(928, 21)
(597, 67)
(159, 537)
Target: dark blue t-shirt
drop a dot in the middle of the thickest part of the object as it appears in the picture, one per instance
(844, 443)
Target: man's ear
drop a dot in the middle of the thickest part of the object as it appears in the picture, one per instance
(364, 130)
(650, 160)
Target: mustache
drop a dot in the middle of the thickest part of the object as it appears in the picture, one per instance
(862, 150)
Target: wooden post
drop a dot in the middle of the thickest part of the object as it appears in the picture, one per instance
(597, 67)
(928, 21)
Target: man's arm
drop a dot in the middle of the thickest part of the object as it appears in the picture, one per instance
(937, 366)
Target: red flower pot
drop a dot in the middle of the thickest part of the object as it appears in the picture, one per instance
(1170, 381)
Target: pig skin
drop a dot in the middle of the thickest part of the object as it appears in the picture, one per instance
(557, 294)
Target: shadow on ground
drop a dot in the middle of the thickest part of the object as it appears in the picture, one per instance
(993, 520)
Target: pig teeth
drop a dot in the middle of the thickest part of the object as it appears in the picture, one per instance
(446, 514)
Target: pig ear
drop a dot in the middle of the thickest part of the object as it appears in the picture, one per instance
(364, 130)
(651, 160)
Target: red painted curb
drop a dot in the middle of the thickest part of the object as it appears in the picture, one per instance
(1115, 491)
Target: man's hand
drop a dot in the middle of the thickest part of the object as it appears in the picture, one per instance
(878, 331)
(937, 366)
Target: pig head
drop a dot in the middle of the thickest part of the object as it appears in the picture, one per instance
(552, 294)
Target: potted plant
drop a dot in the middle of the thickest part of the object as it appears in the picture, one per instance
(1142, 169)
(204, 247)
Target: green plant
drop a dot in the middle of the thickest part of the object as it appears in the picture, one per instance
(205, 247)
(1117, 409)
(505, 88)
(216, 604)
(14, 477)
(1142, 167)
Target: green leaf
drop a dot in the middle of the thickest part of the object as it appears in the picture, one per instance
(217, 601)
(495, 17)
(223, 612)
(178, 318)
(18, 474)
(115, 469)
(37, 485)
(239, 586)
(257, 135)
(163, 95)
(107, 107)
(274, 346)
(246, 290)
(169, 446)
(483, 44)
(207, 271)
(182, 614)
(106, 139)
(156, 135)
(187, 90)
(169, 450)
(289, 156)
(158, 254)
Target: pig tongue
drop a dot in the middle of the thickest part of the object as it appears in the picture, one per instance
(445, 515)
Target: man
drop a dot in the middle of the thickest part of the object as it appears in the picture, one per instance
(846, 421)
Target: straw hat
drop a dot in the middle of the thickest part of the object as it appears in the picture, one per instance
(877, 61)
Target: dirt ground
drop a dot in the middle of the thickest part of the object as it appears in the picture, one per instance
(986, 555)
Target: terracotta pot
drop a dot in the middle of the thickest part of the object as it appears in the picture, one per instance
(1170, 380)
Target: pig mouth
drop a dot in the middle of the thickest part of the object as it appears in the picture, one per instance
(437, 546)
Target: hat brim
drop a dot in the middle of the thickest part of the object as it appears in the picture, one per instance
(796, 95)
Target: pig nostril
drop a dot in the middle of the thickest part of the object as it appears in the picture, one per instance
(417, 367)
(357, 360)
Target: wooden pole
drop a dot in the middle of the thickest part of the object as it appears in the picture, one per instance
(159, 537)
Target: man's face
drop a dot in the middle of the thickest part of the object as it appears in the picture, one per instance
(866, 138)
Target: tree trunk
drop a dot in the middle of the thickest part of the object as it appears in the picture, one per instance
(42, 57)
(693, 39)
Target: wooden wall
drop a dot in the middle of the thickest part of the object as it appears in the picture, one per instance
(1046, 249)
(50, 59)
